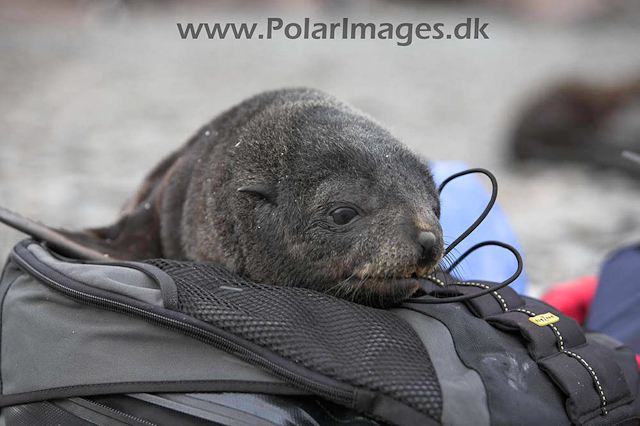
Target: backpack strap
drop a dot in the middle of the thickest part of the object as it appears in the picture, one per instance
(546, 332)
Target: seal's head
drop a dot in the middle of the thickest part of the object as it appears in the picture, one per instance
(318, 195)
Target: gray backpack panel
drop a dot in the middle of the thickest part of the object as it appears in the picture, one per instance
(50, 341)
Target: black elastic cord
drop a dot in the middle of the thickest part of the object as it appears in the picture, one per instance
(437, 300)
(492, 201)
(471, 250)
(465, 234)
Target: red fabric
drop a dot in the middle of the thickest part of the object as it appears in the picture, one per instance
(573, 298)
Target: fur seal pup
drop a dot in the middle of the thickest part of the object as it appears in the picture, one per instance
(291, 187)
(581, 122)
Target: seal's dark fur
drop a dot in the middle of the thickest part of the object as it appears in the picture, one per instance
(253, 190)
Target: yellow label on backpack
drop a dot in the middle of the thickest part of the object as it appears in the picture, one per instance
(544, 319)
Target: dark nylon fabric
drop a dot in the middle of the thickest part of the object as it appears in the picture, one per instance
(238, 408)
(576, 371)
(368, 348)
(519, 392)
(588, 374)
(615, 308)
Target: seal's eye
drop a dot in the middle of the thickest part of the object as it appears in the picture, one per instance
(343, 215)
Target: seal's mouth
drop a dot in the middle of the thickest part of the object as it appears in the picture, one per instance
(386, 289)
(392, 285)
(384, 292)
(377, 286)
(413, 272)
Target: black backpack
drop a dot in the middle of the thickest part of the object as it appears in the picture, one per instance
(167, 342)
(179, 343)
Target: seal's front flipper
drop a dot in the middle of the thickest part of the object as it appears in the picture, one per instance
(131, 238)
(64, 242)
(136, 234)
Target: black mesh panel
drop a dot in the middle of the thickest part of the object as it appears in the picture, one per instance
(364, 347)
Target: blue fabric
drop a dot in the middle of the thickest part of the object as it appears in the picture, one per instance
(615, 309)
(463, 200)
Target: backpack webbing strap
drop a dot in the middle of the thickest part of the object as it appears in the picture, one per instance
(544, 337)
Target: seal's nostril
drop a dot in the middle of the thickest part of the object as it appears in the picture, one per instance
(427, 240)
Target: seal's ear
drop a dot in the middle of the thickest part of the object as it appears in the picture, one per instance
(266, 191)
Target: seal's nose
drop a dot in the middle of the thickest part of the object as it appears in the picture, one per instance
(427, 240)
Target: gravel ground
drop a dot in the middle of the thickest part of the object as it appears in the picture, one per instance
(90, 100)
